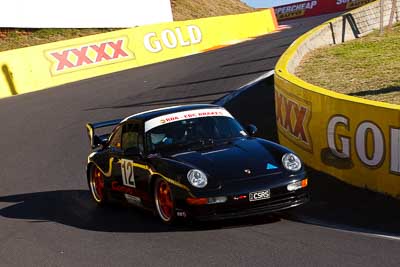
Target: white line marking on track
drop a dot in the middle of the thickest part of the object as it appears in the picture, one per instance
(347, 229)
(262, 77)
(360, 232)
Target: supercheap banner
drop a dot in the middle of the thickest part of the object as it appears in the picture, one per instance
(316, 7)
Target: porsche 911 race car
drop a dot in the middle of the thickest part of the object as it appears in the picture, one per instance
(192, 161)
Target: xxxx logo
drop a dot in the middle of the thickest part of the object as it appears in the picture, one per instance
(89, 55)
(292, 116)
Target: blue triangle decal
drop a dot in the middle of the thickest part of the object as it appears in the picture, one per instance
(271, 166)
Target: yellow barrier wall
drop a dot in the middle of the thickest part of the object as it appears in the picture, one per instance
(39, 67)
(355, 140)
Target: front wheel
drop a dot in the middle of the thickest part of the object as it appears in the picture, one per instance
(96, 185)
(165, 202)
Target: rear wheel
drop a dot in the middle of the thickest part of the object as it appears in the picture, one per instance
(165, 202)
(96, 185)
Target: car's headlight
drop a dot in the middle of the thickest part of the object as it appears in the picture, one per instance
(197, 178)
(291, 162)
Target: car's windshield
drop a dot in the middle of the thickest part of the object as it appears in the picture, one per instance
(193, 131)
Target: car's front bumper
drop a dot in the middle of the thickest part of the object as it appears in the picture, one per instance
(243, 207)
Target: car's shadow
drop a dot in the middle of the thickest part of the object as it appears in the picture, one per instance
(76, 208)
(334, 205)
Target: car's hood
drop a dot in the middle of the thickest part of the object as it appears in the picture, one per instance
(239, 159)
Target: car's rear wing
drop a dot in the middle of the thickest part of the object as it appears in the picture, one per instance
(97, 140)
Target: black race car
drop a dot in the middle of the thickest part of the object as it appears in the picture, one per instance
(193, 161)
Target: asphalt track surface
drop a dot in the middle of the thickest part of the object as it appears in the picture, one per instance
(48, 219)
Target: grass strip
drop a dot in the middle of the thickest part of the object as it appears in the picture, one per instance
(367, 67)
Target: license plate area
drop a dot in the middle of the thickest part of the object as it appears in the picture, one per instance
(260, 195)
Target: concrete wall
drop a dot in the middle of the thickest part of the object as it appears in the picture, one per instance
(49, 65)
(354, 139)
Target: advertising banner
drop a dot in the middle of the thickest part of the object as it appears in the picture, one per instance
(355, 140)
(316, 7)
(38, 67)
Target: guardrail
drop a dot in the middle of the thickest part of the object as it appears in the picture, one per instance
(44, 66)
(353, 139)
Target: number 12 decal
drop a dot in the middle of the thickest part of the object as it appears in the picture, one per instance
(128, 175)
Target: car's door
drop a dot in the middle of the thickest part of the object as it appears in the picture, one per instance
(131, 169)
(115, 153)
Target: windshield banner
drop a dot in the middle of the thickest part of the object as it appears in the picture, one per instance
(184, 115)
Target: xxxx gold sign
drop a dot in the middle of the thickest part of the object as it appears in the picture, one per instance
(90, 55)
(292, 117)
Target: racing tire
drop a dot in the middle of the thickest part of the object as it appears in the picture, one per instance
(96, 186)
(165, 202)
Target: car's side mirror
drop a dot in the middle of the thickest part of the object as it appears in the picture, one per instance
(251, 129)
(133, 152)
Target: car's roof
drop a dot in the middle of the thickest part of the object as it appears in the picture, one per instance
(150, 114)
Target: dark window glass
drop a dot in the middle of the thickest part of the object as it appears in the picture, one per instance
(116, 138)
(131, 137)
(190, 130)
